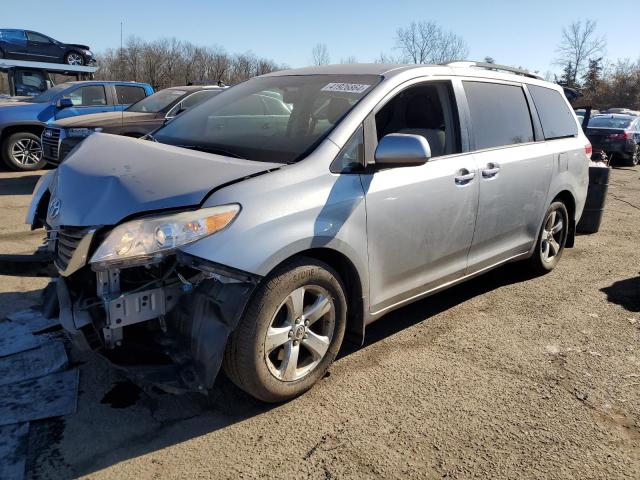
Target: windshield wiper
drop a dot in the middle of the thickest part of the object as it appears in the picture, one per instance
(215, 151)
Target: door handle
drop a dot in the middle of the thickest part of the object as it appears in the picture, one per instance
(464, 176)
(491, 170)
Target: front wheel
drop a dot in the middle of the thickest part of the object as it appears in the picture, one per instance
(290, 332)
(551, 239)
(23, 151)
(74, 58)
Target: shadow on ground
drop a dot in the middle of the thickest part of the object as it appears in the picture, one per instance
(625, 293)
(19, 185)
(107, 398)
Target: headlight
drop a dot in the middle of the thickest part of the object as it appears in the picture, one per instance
(154, 236)
(82, 132)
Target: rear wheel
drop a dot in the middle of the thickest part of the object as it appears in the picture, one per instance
(551, 240)
(23, 151)
(290, 332)
(74, 58)
(635, 157)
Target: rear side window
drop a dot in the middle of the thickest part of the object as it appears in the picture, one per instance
(128, 94)
(499, 114)
(555, 115)
(12, 35)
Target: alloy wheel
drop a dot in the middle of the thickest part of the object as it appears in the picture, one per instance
(74, 59)
(26, 152)
(636, 156)
(300, 333)
(552, 235)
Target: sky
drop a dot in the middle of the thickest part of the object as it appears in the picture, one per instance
(519, 33)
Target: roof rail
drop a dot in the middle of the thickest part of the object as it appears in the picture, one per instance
(494, 66)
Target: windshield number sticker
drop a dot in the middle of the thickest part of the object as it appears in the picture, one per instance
(345, 87)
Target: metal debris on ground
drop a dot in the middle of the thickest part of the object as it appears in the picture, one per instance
(34, 384)
(33, 320)
(48, 358)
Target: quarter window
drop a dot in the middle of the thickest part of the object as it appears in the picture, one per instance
(499, 114)
(555, 115)
(89, 96)
(351, 157)
(128, 94)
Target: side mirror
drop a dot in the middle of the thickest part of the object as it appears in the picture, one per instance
(64, 103)
(402, 150)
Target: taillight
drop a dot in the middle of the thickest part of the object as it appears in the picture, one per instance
(588, 150)
(620, 136)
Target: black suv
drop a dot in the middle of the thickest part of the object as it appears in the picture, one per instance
(27, 45)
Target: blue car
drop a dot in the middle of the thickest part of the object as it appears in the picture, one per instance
(21, 123)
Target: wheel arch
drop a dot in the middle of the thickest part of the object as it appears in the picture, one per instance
(34, 128)
(351, 280)
(566, 197)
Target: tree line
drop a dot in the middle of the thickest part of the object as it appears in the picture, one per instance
(169, 62)
(580, 54)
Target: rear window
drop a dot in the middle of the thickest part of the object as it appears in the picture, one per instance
(499, 114)
(128, 94)
(556, 117)
(610, 122)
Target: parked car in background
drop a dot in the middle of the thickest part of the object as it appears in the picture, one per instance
(22, 123)
(137, 120)
(617, 135)
(28, 45)
(256, 236)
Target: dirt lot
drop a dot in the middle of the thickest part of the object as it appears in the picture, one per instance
(503, 377)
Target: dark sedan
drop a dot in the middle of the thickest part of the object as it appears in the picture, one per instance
(138, 120)
(28, 45)
(618, 135)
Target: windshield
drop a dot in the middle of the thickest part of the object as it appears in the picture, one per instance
(270, 119)
(50, 94)
(157, 102)
(610, 122)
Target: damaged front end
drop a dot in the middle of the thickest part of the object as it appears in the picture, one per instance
(129, 293)
(164, 321)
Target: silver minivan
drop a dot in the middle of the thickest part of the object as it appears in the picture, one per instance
(264, 226)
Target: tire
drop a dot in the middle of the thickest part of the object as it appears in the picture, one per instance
(634, 158)
(261, 370)
(74, 58)
(22, 151)
(547, 253)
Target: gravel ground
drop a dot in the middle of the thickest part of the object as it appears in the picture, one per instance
(505, 376)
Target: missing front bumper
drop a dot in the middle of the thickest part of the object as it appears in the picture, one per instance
(187, 320)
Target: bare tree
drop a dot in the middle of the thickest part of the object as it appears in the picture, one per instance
(579, 43)
(349, 60)
(427, 42)
(320, 54)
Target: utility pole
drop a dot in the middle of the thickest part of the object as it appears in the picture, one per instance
(121, 69)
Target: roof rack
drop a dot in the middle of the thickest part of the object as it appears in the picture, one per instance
(494, 66)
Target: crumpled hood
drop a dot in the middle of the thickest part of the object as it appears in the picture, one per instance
(109, 178)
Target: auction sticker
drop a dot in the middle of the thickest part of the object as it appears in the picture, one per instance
(345, 87)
